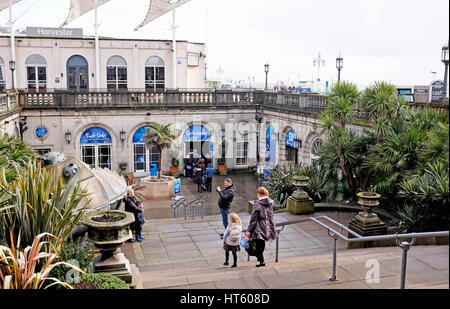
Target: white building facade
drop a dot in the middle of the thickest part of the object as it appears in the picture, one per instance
(46, 63)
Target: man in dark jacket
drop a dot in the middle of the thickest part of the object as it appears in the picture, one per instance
(131, 206)
(225, 199)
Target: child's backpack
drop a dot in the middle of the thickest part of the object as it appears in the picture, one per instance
(235, 234)
(245, 240)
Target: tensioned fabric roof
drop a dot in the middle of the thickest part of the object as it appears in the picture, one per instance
(80, 7)
(5, 3)
(158, 8)
(77, 8)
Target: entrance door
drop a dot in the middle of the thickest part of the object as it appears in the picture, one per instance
(77, 73)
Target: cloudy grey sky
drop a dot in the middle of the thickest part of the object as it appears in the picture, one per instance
(394, 40)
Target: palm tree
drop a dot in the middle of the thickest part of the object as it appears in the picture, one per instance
(14, 156)
(160, 136)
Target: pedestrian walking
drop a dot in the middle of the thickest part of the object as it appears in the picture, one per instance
(262, 226)
(209, 177)
(225, 198)
(198, 179)
(231, 238)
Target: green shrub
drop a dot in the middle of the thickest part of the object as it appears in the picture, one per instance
(78, 250)
(100, 281)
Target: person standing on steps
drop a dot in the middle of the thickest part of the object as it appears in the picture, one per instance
(225, 198)
(232, 238)
(131, 206)
(262, 226)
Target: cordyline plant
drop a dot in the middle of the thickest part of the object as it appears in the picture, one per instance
(37, 202)
(30, 268)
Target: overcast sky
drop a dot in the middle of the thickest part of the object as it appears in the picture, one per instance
(398, 41)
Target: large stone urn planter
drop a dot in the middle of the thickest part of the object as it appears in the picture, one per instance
(108, 230)
(154, 188)
(367, 223)
(300, 202)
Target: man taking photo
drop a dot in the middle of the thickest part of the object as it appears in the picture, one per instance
(225, 198)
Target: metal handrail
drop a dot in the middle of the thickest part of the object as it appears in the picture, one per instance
(194, 203)
(176, 205)
(358, 238)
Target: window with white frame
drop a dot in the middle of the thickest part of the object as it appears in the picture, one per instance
(116, 73)
(2, 74)
(154, 74)
(241, 153)
(36, 67)
(315, 148)
(193, 59)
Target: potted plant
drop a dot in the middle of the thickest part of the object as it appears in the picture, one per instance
(175, 163)
(160, 136)
(221, 161)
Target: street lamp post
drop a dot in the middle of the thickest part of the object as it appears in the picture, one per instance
(445, 60)
(12, 67)
(339, 66)
(258, 118)
(320, 62)
(266, 69)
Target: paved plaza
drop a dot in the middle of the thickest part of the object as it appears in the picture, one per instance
(188, 254)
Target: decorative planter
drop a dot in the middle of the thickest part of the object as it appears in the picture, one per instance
(174, 170)
(108, 235)
(366, 223)
(160, 190)
(300, 202)
(222, 169)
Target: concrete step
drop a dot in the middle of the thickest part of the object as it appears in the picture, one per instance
(311, 271)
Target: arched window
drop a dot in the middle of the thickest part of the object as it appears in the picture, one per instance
(96, 147)
(144, 156)
(154, 74)
(116, 73)
(315, 148)
(2, 74)
(77, 73)
(36, 73)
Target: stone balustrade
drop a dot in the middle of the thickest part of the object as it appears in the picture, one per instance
(301, 103)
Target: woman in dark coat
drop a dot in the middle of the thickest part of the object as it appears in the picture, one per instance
(262, 226)
(131, 206)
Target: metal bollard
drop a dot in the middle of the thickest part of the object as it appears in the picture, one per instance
(277, 243)
(334, 275)
(193, 211)
(405, 247)
(203, 204)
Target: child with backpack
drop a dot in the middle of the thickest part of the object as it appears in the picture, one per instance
(232, 237)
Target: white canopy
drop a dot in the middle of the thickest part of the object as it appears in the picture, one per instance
(158, 8)
(80, 7)
(5, 3)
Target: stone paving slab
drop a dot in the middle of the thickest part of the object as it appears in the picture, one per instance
(189, 254)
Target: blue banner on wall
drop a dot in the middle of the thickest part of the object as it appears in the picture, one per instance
(95, 135)
(196, 133)
(138, 136)
(290, 136)
(270, 145)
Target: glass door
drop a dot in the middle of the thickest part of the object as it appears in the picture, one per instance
(78, 78)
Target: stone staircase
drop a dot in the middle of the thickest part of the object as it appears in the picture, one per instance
(188, 254)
